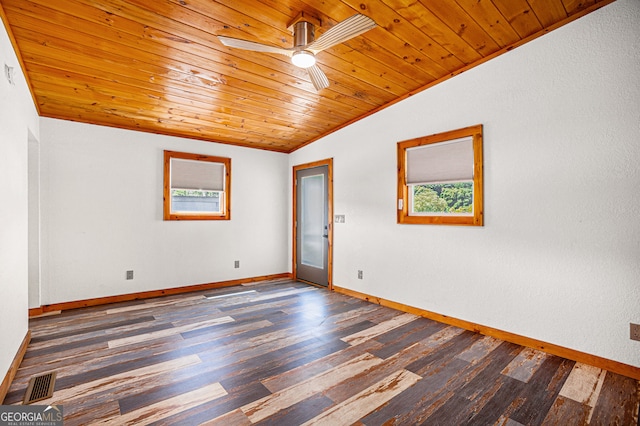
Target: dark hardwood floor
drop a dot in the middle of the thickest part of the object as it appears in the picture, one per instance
(284, 353)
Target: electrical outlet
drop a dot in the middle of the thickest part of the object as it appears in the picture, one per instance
(359, 274)
(236, 264)
(635, 331)
(129, 275)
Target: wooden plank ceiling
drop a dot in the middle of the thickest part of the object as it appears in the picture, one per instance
(157, 66)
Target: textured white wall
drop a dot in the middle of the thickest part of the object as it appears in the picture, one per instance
(102, 215)
(18, 118)
(559, 256)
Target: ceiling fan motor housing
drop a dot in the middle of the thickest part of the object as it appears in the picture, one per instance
(303, 33)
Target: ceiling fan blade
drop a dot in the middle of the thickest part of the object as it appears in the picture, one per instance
(345, 30)
(318, 78)
(256, 47)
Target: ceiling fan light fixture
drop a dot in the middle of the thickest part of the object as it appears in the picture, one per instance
(303, 59)
(306, 47)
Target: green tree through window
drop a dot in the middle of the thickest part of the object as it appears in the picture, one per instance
(443, 198)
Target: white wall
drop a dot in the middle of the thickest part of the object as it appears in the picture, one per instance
(102, 215)
(559, 256)
(34, 221)
(18, 118)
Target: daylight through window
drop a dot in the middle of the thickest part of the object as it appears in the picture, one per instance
(196, 187)
(440, 178)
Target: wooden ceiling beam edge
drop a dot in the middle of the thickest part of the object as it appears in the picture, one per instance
(495, 54)
(14, 43)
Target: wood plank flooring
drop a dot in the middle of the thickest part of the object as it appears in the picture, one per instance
(284, 353)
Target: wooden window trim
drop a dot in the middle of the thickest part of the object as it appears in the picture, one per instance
(168, 215)
(477, 219)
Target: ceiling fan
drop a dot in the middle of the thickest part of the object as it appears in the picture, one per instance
(306, 46)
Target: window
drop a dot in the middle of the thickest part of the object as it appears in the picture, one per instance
(440, 178)
(196, 187)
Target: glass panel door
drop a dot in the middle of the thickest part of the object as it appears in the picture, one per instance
(312, 224)
(312, 242)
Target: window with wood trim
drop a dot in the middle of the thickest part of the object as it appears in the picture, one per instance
(440, 178)
(196, 187)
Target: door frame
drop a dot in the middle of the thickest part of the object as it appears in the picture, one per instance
(329, 163)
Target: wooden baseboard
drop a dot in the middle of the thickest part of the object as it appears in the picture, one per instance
(572, 354)
(13, 369)
(42, 310)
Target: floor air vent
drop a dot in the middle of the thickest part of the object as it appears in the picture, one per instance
(40, 387)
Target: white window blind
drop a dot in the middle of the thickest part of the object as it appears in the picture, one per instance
(204, 175)
(442, 162)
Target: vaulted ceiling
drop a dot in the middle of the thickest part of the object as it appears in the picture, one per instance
(157, 65)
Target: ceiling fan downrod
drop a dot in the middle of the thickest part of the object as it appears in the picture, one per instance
(303, 33)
